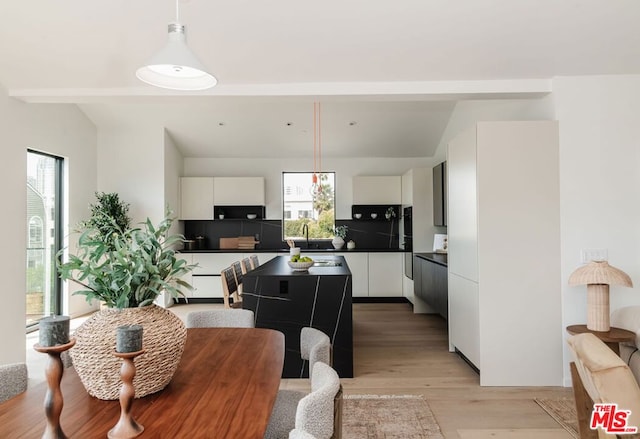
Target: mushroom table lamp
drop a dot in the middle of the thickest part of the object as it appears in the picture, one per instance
(597, 276)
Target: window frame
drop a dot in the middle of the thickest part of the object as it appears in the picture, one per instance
(57, 217)
(284, 203)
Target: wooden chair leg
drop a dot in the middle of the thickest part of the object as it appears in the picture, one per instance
(337, 415)
(584, 405)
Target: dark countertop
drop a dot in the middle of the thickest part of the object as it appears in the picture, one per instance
(302, 250)
(278, 267)
(438, 258)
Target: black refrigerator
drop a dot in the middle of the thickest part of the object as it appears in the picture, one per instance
(407, 239)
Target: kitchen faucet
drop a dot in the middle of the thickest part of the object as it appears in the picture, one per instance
(305, 231)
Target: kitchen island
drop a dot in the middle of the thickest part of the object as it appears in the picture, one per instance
(288, 300)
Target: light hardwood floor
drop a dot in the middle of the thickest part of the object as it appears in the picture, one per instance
(398, 352)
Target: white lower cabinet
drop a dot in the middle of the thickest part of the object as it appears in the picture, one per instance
(464, 306)
(359, 265)
(206, 279)
(385, 274)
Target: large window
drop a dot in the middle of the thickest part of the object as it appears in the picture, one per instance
(306, 203)
(44, 174)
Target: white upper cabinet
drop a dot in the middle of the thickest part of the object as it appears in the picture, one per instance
(196, 198)
(377, 189)
(238, 191)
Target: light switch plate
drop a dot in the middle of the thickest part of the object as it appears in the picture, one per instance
(593, 254)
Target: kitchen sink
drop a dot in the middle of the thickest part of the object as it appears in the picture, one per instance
(326, 263)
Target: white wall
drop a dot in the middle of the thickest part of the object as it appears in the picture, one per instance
(131, 163)
(271, 169)
(599, 183)
(57, 129)
(173, 165)
(467, 113)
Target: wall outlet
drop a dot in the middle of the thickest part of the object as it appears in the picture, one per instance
(593, 254)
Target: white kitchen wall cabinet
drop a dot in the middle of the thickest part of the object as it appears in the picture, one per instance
(359, 265)
(196, 198)
(385, 274)
(238, 191)
(377, 189)
(504, 252)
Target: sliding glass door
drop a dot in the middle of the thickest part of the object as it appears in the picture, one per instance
(44, 201)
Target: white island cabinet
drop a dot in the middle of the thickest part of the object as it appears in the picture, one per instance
(504, 252)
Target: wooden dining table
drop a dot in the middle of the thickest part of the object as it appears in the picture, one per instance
(225, 387)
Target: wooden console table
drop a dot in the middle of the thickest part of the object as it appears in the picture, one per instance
(225, 387)
(611, 338)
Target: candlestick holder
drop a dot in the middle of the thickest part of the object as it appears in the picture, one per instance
(127, 427)
(53, 401)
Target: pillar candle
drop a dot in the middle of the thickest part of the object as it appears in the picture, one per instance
(129, 338)
(54, 330)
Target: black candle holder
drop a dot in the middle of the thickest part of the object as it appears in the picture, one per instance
(53, 401)
(127, 427)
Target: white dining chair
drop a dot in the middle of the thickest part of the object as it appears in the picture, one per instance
(312, 413)
(315, 346)
(13, 380)
(221, 318)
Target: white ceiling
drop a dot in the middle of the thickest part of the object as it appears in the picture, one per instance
(396, 69)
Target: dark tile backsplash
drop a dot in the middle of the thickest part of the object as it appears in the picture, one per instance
(369, 234)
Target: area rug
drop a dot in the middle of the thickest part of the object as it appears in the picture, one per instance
(563, 410)
(388, 417)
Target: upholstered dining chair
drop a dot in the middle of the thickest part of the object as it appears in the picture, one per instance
(314, 413)
(315, 346)
(600, 376)
(13, 380)
(299, 434)
(221, 318)
(230, 293)
(254, 261)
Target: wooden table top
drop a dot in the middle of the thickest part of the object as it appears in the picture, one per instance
(225, 387)
(614, 335)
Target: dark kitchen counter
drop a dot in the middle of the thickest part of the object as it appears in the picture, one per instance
(438, 258)
(288, 300)
(279, 267)
(302, 250)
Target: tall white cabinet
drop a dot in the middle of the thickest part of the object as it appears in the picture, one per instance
(504, 252)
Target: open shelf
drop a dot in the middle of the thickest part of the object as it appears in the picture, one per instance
(237, 212)
(378, 210)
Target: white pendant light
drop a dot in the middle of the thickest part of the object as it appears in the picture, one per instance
(175, 66)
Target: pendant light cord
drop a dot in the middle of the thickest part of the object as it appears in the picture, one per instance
(319, 139)
(315, 135)
(177, 11)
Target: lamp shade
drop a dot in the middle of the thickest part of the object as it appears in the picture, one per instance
(599, 272)
(598, 275)
(175, 67)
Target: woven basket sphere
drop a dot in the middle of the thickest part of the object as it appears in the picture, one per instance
(163, 339)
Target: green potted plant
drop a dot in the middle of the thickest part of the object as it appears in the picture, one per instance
(109, 216)
(340, 232)
(127, 269)
(390, 213)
